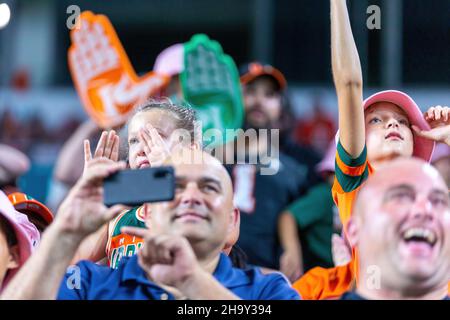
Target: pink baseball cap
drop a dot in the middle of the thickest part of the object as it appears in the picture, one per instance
(327, 163)
(423, 148)
(170, 61)
(26, 233)
(13, 161)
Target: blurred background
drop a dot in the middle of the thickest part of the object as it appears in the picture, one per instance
(40, 109)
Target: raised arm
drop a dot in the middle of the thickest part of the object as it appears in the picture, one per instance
(348, 80)
(81, 214)
(93, 248)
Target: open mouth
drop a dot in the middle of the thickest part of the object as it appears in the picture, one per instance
(420, 235)
(419, 242)
(394, 136)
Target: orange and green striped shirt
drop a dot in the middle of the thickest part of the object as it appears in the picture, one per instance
(120, 244)
(321, 283)
(350, 175)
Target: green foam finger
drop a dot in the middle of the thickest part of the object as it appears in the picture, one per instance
(210, 83)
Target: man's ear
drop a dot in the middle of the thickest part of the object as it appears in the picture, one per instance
(237, 218)
(147, 211)
(14, 257)
(353, 231)
(233, 230)
(234, 226)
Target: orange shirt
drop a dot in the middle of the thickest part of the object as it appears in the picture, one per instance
(320, 283)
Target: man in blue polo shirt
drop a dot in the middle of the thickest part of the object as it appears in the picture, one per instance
(181, 258)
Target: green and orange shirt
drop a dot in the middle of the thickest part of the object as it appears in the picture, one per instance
(350, 174)
(123, 245)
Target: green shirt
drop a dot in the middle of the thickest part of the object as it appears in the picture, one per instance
(314, 215)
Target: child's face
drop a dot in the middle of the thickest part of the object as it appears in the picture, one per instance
(388, 132)
(161, 120)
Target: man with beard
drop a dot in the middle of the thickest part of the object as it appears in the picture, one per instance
(267, 106)
(265, 180)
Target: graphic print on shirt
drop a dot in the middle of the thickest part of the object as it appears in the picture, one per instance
(124, 245)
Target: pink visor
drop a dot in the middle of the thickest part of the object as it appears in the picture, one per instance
(26, 233)
(423, 148)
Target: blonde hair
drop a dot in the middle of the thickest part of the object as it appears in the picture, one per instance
(183, 114)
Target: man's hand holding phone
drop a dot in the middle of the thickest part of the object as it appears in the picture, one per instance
(83, 211)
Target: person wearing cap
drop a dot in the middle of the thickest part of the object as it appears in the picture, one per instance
(267, 106)
(255, 181)
(37, 212)
(440, 160)
(387, 125)
(18, 238)
(13, 164)
(314, 214)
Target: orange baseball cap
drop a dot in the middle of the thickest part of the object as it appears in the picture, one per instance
(253, 70)
(23, 202)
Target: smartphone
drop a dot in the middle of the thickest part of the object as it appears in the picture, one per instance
(136, 187)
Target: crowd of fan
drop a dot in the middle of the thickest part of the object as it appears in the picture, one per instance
(313, 230)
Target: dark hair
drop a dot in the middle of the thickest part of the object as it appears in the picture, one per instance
(8, 230)
(182, 112)
(238, 257)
